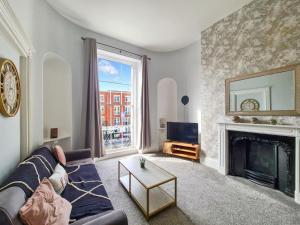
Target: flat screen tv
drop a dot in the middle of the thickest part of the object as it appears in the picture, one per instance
(183, 132)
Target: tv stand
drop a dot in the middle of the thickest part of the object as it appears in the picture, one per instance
(182, 149)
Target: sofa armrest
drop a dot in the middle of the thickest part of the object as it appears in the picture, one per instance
(114, 217)
(78, 154)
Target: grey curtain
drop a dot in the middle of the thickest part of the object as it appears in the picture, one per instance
(145, 135)
(91, 133)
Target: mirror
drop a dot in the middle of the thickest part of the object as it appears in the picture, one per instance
(273, 92)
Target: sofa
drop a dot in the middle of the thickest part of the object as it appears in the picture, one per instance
(88, 207)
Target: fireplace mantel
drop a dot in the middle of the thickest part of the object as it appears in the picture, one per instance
(282, 130)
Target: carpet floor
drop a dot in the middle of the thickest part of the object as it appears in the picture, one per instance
(205, 197)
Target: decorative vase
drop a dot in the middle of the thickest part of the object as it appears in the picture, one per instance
(236, 119)
(273, 121)
(254, 120)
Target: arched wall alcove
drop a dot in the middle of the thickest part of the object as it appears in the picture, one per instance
(57, 99)
(166, 105)
(167, 99)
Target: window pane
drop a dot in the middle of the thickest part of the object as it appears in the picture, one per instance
(115, 83)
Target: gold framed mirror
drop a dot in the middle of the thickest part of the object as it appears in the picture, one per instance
(274, 92)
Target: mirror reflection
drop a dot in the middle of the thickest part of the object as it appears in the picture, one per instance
(263, 93)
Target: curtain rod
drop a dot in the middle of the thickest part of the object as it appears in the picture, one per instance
(121, 50)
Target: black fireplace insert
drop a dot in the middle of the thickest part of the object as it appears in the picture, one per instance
(267, 160)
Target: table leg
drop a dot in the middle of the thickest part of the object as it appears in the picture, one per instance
(148, 203)
(129, 183)
(119, 171)
(175, 192)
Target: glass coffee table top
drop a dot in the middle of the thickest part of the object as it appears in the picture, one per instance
(150, 176)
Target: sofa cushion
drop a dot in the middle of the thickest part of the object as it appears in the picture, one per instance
(29, 173)
(59, 179)
(80, 162)
(86, 192)
(46, 207)
(59, 154)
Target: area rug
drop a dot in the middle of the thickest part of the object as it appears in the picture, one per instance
(205, 197)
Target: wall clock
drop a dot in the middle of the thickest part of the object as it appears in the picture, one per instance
(10, 88)
(249, 105)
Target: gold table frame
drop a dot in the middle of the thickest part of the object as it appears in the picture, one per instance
(128, 188)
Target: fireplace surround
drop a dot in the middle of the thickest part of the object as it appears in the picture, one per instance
(271, 141)
(267, 160)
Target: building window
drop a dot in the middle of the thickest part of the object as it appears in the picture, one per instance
(126, 121)
(117, 121)
(127, 98)
(103, 121)
(116, 98)
(117, 110)
(101, 98)
(102, 109)
(127, 110)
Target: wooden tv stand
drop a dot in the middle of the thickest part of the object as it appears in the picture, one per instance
(182, 149)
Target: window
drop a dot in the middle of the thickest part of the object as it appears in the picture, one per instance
(126, 121)
(101, 98)
(103, 121)
(116, 98)
(102, 109)
(118, 79)
(117, 110)
(117, 121)
(127, 99)
(127, 110)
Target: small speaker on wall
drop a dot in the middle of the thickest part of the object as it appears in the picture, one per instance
(185, 100)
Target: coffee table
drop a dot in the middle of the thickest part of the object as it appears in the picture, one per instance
(146, 185)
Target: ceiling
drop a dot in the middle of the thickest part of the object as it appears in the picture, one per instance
(156, 25)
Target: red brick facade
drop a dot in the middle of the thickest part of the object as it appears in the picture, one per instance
(115, 108)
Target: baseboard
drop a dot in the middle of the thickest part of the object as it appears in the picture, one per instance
(209, 162)
(297, 197)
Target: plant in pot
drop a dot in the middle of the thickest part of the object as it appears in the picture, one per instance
(142, 162)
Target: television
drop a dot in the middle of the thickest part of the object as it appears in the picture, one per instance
(182, 132)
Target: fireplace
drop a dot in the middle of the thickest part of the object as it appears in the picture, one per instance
(267, 160)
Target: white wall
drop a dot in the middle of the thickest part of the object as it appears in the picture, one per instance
(57, 96)
(167, 99)
(50, 32)
(184, 66)
(9, 126)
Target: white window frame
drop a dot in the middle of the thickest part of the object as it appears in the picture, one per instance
(136, 66)
(127, 97)
(102, 98)
(117, 112)
(127, 109)
(102, 109)
(117, 97)
(117, 118)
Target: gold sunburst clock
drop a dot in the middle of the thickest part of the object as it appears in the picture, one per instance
(10, 88)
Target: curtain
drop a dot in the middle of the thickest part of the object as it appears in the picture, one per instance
(145, 135)
(91, 132)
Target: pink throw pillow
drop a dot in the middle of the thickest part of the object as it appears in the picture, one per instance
(59, 154)
(46, 207)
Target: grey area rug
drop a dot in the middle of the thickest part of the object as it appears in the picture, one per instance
(205, 197)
